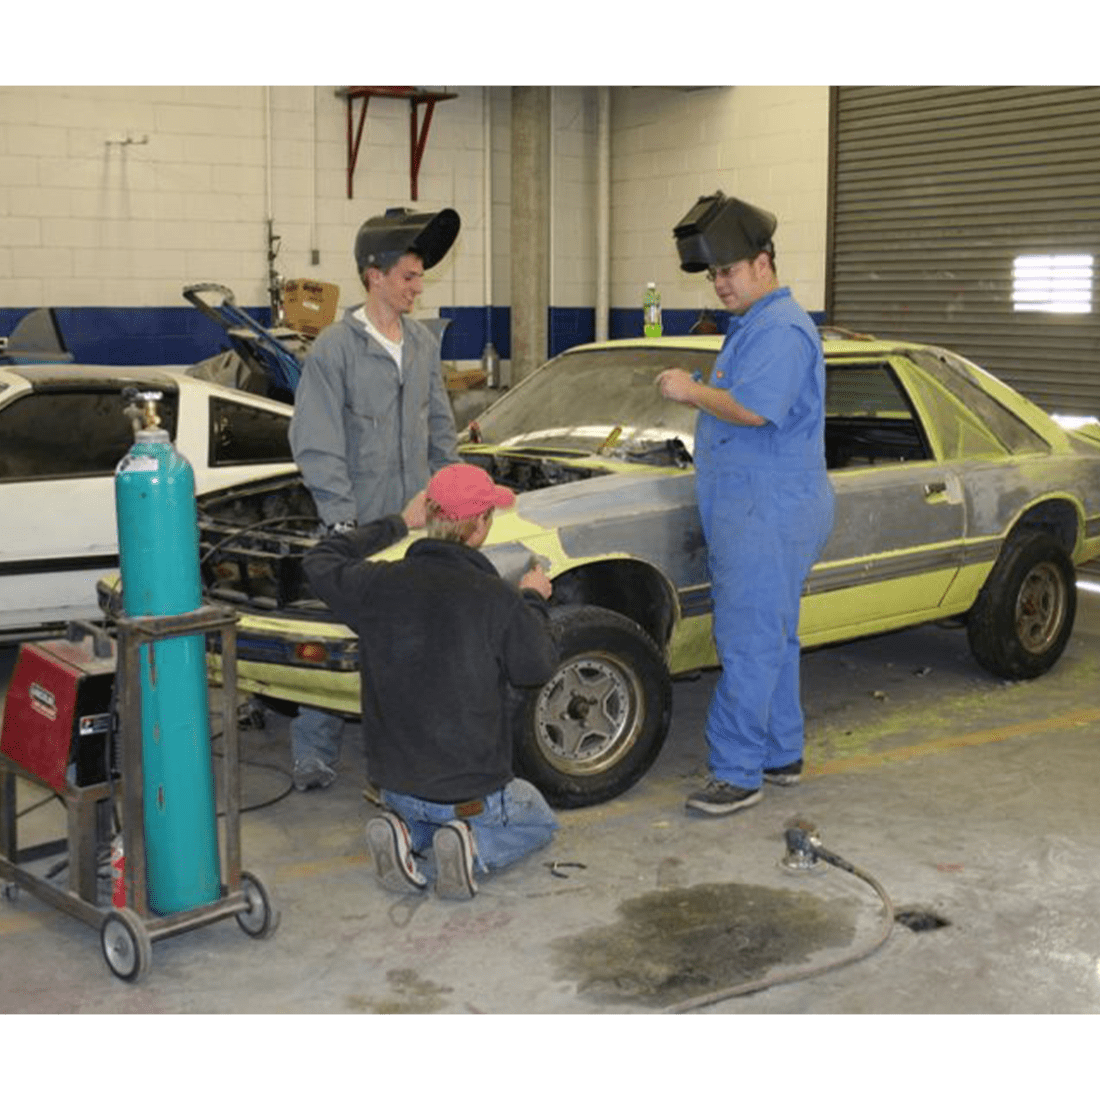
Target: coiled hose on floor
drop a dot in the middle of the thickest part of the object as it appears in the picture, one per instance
(804, 848)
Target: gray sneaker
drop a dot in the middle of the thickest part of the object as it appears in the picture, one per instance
(719, 797)
(312, 773)
(786, 776)
(453, 845)
(391, 851)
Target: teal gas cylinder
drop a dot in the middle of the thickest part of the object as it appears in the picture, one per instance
(158, 541)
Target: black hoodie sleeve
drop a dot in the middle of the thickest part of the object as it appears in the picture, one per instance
(530, 652)
(335, 567)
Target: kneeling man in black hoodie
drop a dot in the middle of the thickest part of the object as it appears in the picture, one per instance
(442, 637)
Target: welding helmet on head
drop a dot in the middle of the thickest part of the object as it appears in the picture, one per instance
(718, 231)
(383, 240)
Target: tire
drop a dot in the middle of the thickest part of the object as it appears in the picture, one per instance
(126, 944)
(1023, 616)
(259, 920)
(594, 729)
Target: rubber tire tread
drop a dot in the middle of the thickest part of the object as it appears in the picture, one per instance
(589, 629)
(991, 623)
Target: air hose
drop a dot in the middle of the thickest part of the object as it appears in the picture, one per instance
(804, 849)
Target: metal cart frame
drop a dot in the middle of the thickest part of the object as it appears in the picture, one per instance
(127, 934)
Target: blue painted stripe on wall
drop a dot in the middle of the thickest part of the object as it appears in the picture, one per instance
(163, 335)
(472, 327)
(626, 323)
(155, 336)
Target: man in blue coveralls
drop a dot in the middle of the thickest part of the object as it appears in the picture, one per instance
(763, 493)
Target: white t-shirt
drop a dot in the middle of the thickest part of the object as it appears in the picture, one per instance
(392, 346)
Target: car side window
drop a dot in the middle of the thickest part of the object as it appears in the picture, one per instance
(1013, 434)
(69, 433)
(242, 434)
(868, 418)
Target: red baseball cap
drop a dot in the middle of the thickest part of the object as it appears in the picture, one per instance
(463, 491)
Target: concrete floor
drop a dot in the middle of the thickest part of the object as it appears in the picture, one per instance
(972, 801)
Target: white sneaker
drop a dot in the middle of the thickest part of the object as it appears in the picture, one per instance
(453, 845)
(391, 850)
(312, 773)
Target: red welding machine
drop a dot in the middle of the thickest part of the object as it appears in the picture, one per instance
(57, 716)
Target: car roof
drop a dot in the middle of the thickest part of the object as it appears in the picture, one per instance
(712, 343)
(46, 374)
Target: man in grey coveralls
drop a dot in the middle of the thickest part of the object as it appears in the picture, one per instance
(372, 420)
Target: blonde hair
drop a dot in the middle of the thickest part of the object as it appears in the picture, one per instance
(440, 526)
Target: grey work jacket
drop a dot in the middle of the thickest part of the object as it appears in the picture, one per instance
(365, 438)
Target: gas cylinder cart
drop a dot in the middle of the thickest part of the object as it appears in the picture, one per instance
(129, 925)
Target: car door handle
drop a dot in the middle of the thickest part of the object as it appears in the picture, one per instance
(934, 487)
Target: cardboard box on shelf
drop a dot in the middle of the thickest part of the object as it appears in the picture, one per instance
(309, 306)
(467, 379)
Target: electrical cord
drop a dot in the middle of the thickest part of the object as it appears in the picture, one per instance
(805, 842)
(269, 521)
(256, 764)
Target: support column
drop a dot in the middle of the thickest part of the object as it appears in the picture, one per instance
(530, 229)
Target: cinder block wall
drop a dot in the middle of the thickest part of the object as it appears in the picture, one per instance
(113, 199)
(767, 145)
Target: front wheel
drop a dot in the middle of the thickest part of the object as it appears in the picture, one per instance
(1023, 616)
(127, 945)
(597, 725)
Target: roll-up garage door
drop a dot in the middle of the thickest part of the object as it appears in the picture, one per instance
(970, 218)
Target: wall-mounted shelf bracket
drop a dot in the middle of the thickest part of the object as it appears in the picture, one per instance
(418, 136)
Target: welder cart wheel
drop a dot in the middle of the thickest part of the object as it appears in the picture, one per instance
(259, 920)
(11, 892)
(127, 946)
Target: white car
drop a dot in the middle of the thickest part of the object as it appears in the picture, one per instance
(63, 430)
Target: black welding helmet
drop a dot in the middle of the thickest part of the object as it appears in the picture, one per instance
(718, 231)
(383, 240)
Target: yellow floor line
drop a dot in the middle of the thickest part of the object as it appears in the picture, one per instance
(868, 761)
(318, 866)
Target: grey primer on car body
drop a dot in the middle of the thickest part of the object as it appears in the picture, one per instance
(606, 513)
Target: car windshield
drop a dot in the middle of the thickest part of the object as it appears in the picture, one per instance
(599, 399)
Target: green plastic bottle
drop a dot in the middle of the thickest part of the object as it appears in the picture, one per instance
(651, 310)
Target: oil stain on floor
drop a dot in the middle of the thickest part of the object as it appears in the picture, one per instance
(671, 945)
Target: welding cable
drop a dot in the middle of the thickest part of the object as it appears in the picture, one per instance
(252, 527)
(256, 764)
(799, 974)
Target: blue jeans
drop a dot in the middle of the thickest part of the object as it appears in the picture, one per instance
(316, 734)
(515, 822)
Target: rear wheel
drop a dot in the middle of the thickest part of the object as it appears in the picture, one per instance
(1023, 616)
(594, 729)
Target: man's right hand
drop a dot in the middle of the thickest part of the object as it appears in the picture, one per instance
(415, 512)
(536, 578)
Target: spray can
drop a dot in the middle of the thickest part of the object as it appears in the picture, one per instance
(651, 310)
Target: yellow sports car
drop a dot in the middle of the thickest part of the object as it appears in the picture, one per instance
(955, 497)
